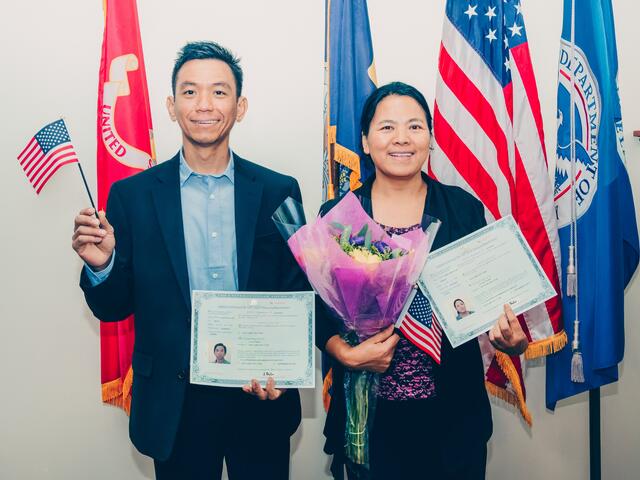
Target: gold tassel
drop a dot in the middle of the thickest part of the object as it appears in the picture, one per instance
(547, 346)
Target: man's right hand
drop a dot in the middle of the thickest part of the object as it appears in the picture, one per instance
(374, 354)
(92, 243)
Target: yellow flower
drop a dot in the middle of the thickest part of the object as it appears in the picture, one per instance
(363, 256)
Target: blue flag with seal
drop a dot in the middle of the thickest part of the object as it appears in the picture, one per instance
(350, 78)
(594, 204)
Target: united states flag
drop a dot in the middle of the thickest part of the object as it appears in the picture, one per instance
(46, 152)
(489, 140)
(420, 326)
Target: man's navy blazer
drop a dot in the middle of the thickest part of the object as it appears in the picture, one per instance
(150, 280)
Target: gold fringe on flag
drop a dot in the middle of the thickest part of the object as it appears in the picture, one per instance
(351, 160)
(326, 386)
(118, 392)
(343, 156)
(501, 393)
(547, 345)
(348, 158)
(331, 134)
(112, 390)
(126, 391)
(509, 369)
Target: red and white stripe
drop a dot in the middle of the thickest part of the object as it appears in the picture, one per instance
(40, 167)
(428, 340)
(489, 141)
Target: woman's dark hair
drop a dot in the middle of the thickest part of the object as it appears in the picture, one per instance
(207, 51)
(393, 88)
(220, 345)
(456, 301)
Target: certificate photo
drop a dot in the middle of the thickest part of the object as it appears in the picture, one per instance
(239, 336)
(218, 353)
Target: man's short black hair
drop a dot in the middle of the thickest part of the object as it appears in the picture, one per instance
(207, 51)
(220, 345)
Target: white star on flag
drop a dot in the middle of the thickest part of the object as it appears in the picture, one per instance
(515, 29)
(507, 64)
(518, 8)
(491, 12)
(506, 42)
(491, 36)
(471, 11)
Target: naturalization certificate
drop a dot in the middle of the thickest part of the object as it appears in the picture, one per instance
(468, 281)
(238, 336)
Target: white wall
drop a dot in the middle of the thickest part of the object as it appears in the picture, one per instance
(52, 424)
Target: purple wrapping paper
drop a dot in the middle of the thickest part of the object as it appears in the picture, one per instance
(367, 297)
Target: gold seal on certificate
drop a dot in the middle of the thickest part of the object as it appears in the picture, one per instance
(468, 281)
(238, 336)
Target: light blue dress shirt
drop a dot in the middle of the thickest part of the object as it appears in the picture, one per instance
(208, 217)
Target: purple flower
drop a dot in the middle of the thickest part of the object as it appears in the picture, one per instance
(380, 245)
(357, 241)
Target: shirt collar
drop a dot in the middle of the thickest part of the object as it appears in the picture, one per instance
(186, 171)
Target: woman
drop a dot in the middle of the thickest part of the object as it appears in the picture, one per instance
(461, 309)
(431, 421)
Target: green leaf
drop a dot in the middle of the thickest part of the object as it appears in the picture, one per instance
(337, 225)
(363, 231)
(346, 235)
(396, 253)
(367, 239)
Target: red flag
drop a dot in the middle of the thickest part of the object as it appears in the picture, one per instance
(489, 140)
(125, 147)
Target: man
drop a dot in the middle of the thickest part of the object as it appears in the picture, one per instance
(219, 352)
(201, 220)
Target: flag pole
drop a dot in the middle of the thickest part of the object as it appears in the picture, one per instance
(86, 186)
(577, 367)
(595, 451)
(84, 179)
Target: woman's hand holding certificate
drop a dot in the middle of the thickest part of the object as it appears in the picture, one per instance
(507, 334)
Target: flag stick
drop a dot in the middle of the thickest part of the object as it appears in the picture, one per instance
(86, 186)
(595, 462)
(84, 179)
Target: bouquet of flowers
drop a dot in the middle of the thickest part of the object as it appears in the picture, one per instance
(365, 276)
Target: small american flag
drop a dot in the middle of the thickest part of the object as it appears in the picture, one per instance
(421, 327)
(46, 152)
